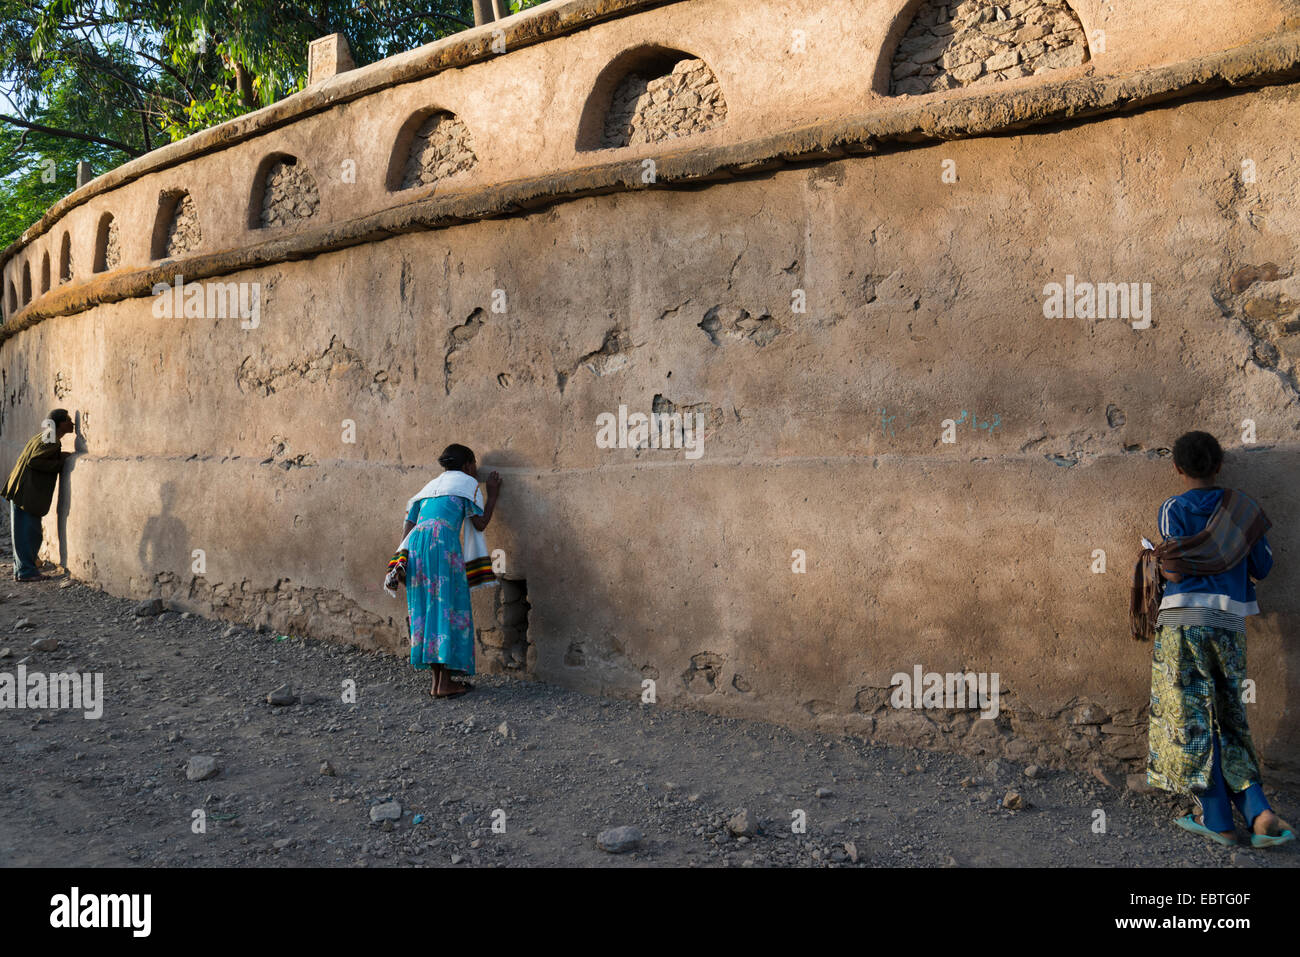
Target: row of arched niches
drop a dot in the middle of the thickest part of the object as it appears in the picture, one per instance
(646, 95)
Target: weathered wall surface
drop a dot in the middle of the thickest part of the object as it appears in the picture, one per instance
(512, 334)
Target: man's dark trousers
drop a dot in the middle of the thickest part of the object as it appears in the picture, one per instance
(27, 537)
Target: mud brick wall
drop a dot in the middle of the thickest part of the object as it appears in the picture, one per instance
(833, 279)
(183, 232)
(440, 148)
(955, 45)
(66, 264)
(503, 643)
(290, 194)
(112, 246)
(687, 99)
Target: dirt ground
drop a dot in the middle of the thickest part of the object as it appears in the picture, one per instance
(550, 768)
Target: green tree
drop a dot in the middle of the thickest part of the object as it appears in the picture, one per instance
(107, 80)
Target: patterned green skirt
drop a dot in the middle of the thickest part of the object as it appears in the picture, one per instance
(1196, 688)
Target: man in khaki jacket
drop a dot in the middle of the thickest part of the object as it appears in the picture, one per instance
(30, 490)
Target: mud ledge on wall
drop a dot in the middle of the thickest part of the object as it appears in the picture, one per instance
(1268, 62)
(462, 49)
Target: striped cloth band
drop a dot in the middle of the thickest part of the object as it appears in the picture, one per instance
(478, 571)
(1200, 618)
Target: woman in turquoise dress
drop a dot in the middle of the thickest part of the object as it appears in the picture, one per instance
(437, 592)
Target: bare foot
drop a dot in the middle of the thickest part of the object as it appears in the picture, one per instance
(1267, 823)
(450, 688)
(445, 687)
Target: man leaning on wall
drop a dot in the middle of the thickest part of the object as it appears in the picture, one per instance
(30, 490)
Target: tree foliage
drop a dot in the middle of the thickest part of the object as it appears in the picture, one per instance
(108, 80)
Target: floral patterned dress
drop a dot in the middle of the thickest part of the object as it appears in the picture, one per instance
(437, 594)
(1196, 692)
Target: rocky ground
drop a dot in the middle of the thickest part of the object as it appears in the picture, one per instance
(310, 783)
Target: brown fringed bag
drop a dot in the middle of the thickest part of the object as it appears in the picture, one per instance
(1148, 591)
(1233, 529)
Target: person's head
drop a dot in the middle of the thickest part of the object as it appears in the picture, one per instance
(1198, 457)
(62, 421)
(457, 458)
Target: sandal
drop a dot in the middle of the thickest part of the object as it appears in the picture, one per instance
(1271, 840)
(1188, 822)
(1283, 835)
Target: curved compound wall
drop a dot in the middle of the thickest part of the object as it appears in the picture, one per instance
(831, 230)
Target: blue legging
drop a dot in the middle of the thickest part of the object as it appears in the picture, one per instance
(1216, 801)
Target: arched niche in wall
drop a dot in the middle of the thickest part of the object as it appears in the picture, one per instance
(937, 46)
(649, 94)
(108, 253)
(432, 145)
(27, 283)
(45, 271)
(65, 258)
(284, 192)
(176, 230)
(12, 299)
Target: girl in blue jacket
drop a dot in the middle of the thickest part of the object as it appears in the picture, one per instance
(1199, 742)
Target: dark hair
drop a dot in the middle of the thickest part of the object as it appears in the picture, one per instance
(1198, 454)
(454, 457)
(59, 416)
